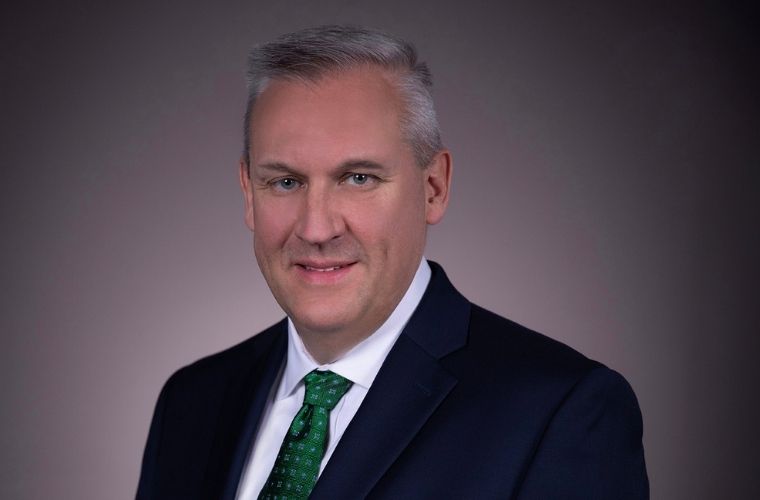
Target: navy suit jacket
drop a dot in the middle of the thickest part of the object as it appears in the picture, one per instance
(466, 405)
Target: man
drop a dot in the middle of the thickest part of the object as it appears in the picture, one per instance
(383, 381)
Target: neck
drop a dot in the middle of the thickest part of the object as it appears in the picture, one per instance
(328, 347)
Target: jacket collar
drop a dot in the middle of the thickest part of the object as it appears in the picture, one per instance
(439, 325)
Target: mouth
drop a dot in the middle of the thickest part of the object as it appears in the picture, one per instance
(325, 265)
(322, 273)
(323, 269)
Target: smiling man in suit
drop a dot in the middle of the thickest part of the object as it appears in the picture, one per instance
(383, 381)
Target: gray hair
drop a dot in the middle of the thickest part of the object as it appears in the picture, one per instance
(309, 54)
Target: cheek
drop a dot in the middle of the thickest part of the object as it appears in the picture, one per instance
(392, 223)
(411, 219)
(271, 227)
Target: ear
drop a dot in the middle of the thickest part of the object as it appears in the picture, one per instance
(245, 185)
(437, 186)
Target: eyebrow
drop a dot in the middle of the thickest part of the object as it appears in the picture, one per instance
(346, 166)
(360, 164)
(276, 166)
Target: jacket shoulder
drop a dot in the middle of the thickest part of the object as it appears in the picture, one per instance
(201, 406)
(229, 362)
(522, 348)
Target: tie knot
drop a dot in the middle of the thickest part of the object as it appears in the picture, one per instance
(324, 389)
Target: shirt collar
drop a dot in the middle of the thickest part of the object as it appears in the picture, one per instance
(361, 364)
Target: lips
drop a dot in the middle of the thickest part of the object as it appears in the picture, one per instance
(322, 269)
(322, 273)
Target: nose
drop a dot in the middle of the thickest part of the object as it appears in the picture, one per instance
(320, 220)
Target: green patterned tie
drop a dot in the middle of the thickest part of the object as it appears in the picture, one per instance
(297, 466)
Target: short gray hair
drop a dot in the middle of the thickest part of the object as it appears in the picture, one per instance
(309, 54)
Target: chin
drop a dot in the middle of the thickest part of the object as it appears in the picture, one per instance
(320, 309)
(319, 325)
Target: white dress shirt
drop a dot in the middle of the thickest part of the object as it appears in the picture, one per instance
(360, 365)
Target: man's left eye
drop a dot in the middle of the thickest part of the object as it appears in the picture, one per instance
(358, 179)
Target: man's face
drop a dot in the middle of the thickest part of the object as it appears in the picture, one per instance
(338, 207)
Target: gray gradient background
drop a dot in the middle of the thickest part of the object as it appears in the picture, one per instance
(605, 193)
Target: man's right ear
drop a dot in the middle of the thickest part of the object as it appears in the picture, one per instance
(245, 185)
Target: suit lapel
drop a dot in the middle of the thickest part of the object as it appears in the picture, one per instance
(409, 387)
(240, 412)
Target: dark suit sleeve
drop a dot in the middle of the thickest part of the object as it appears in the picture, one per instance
(146, 486)
(591, 448)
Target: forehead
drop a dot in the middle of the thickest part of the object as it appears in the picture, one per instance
(351, 113)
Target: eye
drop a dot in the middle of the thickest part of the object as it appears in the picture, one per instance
(285, 184)
(358, 179)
